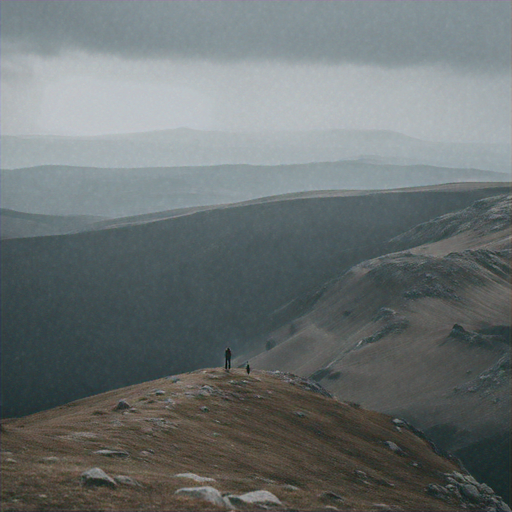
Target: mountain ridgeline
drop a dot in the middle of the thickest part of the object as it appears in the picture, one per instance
(99, 310)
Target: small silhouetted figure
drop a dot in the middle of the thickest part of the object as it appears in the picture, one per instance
(248, 368)
(227, 353)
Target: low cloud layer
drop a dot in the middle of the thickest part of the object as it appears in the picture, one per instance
(464, 35)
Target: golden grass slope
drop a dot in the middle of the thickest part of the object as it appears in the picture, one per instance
(257, 432)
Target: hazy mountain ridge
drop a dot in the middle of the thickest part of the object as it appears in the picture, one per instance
(61, 190)
(235, 433)
(20, 224)
(187, 147)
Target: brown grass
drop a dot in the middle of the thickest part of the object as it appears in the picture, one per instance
(251, 438)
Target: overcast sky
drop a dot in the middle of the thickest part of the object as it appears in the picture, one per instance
(437, 70)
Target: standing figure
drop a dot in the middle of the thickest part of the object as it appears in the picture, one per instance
(248, 368)
(227, 353)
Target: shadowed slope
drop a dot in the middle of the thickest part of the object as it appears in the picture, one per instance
(94, 311)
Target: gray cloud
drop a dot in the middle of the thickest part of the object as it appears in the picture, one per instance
(465, 35)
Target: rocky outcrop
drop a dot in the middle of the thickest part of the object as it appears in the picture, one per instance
(470, 493)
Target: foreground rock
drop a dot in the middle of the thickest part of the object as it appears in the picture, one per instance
(204, 493)
(265, 498)
(96, 477)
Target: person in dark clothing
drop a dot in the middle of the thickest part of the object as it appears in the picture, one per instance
(227, 353)
(248, 368)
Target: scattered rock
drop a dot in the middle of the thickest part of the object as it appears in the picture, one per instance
(437, 491)
(300, 414)
(485, 489)
(384, 507)
(470, 492)
(113, 453)
(196, 478)
(394, 447)
(127, 480)
(255, 498)
(159, 392)
(97, 477)
(49, 460)
(205, 409)
(290, 487)
(329, 495)
(384, 313)
(122, 405)
(204, 493)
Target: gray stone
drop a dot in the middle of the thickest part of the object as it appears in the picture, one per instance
(196, 478)
(203, 493)
(329, 495)
(499, 504)
(437, 490)
(485, 489)
(394, 447)
(126, 480)
(300, 414)
(49, 460)
(159, 392)
(205, 409)
(113, 453)
(360, 474)
(470, 492)
(97, 477)
(122, 405)
(255, 498)
(290, 487)
(399, 423)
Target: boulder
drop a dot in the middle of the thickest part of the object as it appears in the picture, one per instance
(329, 495)
(97, 477)
(470, 492)
(126, 480)
(255, 498)
(203, 493)
(113, 453)
(122, 405)
(196, 478)
(394, 447)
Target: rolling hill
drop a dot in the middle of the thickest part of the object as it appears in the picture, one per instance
(422, 333)
(118, 192)
(94, 311)
(21, 225)
(213, 440)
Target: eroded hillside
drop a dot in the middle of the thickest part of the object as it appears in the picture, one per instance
(423, 333)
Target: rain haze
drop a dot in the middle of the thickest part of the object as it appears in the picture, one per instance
(438, 71)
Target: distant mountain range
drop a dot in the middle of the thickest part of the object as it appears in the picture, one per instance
(65, 190)
(185, 147)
